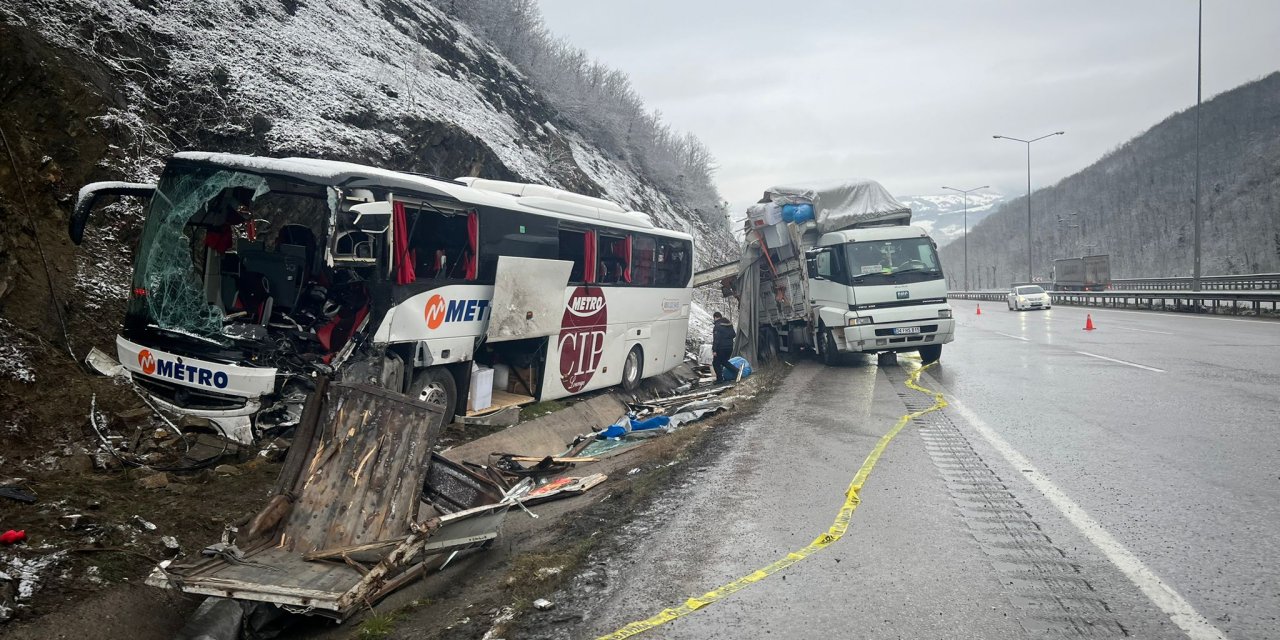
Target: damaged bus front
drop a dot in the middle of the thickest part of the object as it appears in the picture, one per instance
(245, 284)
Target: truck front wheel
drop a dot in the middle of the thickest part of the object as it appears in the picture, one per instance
(930, 354)
(827, 348)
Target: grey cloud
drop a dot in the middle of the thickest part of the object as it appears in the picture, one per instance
(910, 93)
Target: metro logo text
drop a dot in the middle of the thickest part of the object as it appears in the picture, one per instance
(440, 311)
(586, 304)
(153, 366)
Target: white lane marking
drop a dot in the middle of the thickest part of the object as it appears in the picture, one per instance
(1161, 594)
(1163, 333)
(1012, 336)
(1132, 364)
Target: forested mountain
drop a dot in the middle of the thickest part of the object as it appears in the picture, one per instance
(943, 215)
(105, 89)
(1135, 203)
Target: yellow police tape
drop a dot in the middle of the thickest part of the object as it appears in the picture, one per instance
(835, 532)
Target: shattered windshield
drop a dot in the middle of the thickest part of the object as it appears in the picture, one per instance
(897, 261)
(221, 245)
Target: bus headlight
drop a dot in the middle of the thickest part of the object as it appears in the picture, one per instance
(857, 322)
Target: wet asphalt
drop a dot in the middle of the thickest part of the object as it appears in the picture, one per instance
(1162, 428)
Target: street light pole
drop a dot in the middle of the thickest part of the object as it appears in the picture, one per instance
(965, 192)
(1028, 143)
(1195, 265)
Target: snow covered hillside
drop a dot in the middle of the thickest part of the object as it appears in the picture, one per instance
(106, 89)
(943, 215)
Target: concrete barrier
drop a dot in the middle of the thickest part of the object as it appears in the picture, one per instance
(547, 435)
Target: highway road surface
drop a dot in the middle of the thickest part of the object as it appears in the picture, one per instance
(1123, 482)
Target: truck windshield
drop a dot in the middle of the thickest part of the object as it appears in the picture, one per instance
(221, 245)
(897, 261)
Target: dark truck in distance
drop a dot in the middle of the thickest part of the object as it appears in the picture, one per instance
(1090, 273)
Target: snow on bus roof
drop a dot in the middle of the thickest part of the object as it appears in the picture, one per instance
(350, 174)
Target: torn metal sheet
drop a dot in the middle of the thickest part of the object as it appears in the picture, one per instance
(563, 488)
(104, 364)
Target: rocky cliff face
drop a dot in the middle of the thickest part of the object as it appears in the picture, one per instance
(105, 89)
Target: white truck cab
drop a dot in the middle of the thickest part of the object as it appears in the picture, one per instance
(879, 289)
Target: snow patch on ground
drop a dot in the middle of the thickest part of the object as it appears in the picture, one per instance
(27, 571)
(15, 357)
(700, 324)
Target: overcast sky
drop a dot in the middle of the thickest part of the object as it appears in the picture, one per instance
(910, 93)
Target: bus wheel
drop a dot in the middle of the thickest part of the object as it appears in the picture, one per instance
(769, 347)
(930, 354)
(632, 369)
(435, 385)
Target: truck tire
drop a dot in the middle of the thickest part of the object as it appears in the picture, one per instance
(435, 385)
(827, 348)
(633, 369)
(929, 354)
(769, 345)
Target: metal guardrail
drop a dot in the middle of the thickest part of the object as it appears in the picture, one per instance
(1234, 302)
(1254, 281)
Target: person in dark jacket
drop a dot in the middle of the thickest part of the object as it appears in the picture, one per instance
(722, 335)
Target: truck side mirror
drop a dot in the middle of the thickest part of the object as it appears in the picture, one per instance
(88, 198)
(811, 263)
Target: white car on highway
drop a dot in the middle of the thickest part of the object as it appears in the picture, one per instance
(1028, 296)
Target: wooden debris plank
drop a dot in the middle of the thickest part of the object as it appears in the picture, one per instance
(326, 554)
(303, 445)
(502, 400)
(541, 458)
(379, 445)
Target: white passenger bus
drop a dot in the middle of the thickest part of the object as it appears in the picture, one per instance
(253, 275)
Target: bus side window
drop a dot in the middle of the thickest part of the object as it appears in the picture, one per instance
(440, 245)
(505, 233)
(673, 263)
(643, 260)
(573, 249)
(614, 265)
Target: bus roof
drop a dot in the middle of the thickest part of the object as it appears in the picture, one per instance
(528, 198)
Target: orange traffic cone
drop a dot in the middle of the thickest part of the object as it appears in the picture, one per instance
(979, 310)
(1088, 322)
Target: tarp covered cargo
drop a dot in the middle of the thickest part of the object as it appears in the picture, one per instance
(840, 205)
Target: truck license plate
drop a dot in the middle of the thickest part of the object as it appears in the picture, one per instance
(905, 330)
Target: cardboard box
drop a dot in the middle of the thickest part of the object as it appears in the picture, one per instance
(522, 373)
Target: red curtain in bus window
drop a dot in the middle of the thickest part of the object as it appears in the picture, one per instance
(626, 255)
(473, 244)
(403, 261)
(589, 257)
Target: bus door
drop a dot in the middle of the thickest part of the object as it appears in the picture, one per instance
(528, 298)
